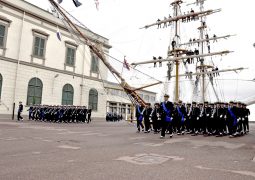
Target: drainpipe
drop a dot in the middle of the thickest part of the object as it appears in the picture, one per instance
(17, 68)
(82, 79)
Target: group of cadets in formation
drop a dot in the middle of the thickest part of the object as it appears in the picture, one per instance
(218, 119)
(60, 114)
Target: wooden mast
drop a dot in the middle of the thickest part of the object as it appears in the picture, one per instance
(96, 49)
(176, 5)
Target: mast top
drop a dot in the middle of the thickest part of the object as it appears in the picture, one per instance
(177, 2)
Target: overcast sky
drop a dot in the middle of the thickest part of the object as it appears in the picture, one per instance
(120, 20)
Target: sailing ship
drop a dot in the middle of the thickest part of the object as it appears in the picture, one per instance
(180, 54)
(185, 53)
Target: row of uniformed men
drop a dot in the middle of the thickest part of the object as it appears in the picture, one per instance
(60, 114)
(217, 119)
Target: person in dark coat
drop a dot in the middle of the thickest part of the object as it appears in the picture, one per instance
(156, 118)
(147, 114)
(167, 108)
(139, 117)
(20, 110)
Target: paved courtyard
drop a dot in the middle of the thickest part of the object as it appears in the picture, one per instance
(33, 150)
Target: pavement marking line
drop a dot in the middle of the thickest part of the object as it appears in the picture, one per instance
(137, 138)
(9, 139)
(217, 144)
(68, 147)
(246, 173)
(70, 161)
(103, 135)
(90, 134)
(10, 123)
(47, 128)
(148, 159)
(149, 144)
(36, 152)
(73, 132)
(201, 143)
(176, 140)
(47, 140)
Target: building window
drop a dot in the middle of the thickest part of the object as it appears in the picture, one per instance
(39, 47)
(94, 64)
(93, 99)
(34, 92)
(67, 94)
(153, 99)
(2, 35)
(70, 56)
(146, 98)
(4, 25)
(1, 82)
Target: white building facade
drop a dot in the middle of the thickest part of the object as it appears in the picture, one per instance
(37, 68)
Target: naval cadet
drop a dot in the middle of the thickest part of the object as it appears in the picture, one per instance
(146, 114)
(156, 118)
(139, 116)
(167, 108)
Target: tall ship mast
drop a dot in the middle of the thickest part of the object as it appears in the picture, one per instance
(185, 54)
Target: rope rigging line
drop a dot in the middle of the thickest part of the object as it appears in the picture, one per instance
(72, 31)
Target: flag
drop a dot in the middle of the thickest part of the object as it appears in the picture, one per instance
(59, 34)
(60, 1)
(125, 64)
(97, 4)
(77, 3)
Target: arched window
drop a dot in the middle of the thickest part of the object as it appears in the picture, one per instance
(34, 91)
(67, 95)
(1, 82)
(93, 99)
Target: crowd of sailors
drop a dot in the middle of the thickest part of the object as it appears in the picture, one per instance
(208, 119)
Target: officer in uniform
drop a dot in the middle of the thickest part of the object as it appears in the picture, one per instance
(139, 117)
(89, 111)
(147, 113)
(188, 124)
(209, 119)
(181, 115)
(195, 116)
(217, 119)
(167, 116)
(231, 119)
(20, 110)
(156, 118)
(240, 123)
(246, 119)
